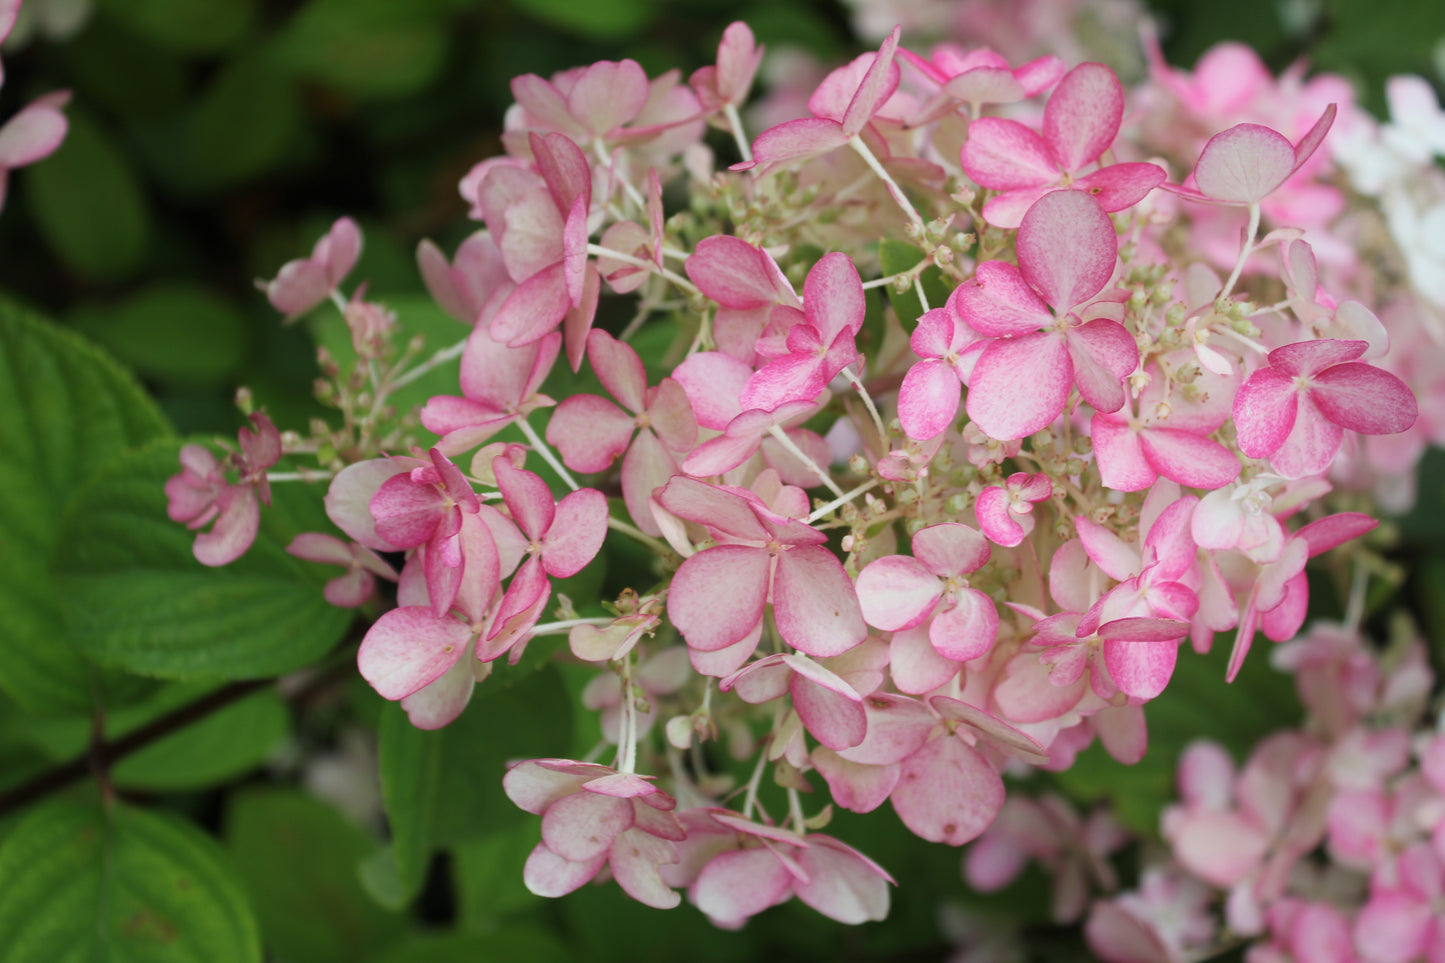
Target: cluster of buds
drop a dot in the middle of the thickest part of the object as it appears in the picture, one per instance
(901, 550)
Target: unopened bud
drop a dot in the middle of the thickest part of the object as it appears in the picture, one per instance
(245, 400)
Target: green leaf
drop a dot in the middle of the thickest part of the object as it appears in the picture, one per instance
(177, 331)
(1198, 704)
(85, 882)
(244, 124)
(88, 205)
(599, 19)
(410, 764)
(138, 599)
(898, 256)
(184, 25)
(298, 859)
(513, 943)
(225, 744)
(488, 874)
(65, 408)
(374, 48)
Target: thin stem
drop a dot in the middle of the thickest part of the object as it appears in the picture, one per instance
(556, 628)
(673, 276)
(440, 358)
(319, 474)
(868, 403)
(795, 810)
(627, 751)
(918, 287)
(606, 158)
(1244, 252)
(540, 447)
(736, 124)
(822, 511)
(894, 191)
(788, 445)
(632, 531)
(750, 801)
(1355, 608)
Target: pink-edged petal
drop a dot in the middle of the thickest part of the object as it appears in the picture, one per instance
(1067, 248)
(856, 787)
(564, 168)
(876, 87)
(1119, 936)
(999, 733)
(528, 497)
(1221, 848)
(1000, 303)
(634, 861)
(589, 432)
(719, 509)
(1007, 210)
(995, 519)
(582, 826)
(1364, 398)
(1335, 530)
(671, 415)
(647, 466)
(619, 369)
(1120, 456)
(1244, 164)
(897, 592)
(814, 602)
(1312, 139)
(534, 309)
(1142, 669)
(547, 874)
(408, 648)
(607, 95)
(833, 296)
(1188, 458)
(835, 719)
(914, 665)
(736, 274)
(968, 629)
(717, 596)
(797, 140)
(842, 884)
(576, 533)
(1264, 412)
(948, 792)
(234, 531)
(1311, 444)
(1019, 385)
(1004, 155)
(35, 132)
(1083, 114)
(793, 377)
(438, 704)
(1311, 357)
(1121, 186)
(928, 399)
(950, 548)
(736, 885)
(713, 382)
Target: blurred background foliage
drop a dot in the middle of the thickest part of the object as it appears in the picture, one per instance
(212, 141)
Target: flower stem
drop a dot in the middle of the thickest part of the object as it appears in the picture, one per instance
(788, 445)
(540, 447)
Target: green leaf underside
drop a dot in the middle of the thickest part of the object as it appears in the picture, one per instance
(298, 859)
(137, 598)
(116, 884)
(65, 408)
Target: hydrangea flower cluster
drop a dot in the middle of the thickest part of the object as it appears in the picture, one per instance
(1094, 399)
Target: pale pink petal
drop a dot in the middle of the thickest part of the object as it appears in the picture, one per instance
(1003, 155)
(947, 792)
(1007, 210)
(607, 95)
(897, 592)
(1118, 936)
(1123, 732)
(527, 496)
(1141, 669)
(1311, 357)
(717, 596)
(547, 874)
(876, 87)
(1364, 398)
(634, 861)
(619, 369)
(589, 432)
(928, 399)
(1019, 385)
(582, 826)
(736, 274)
(1067, 248)
(1221, 847)
(835, 719)
(235, 528)
(713, 382)
(1120, 456)
(1264, 412)
(1121, 186)
(722, 511)
(438, 704)
(833, 296)
(35, 132)
(1334, 530)
(897, 727)
(576, 533)
(842, 884)
(1312, 442)
(348, 500)
(993, 729)
(408, 648)
(814, 602)
(534, 309)
(1188, 458)
(1083, 115)
(1313, 137)
(854, 786)
(949, 549)
(798, 139)
(736, 885)
(1117, 558)
(1244, 164)
(999, 302)
(914, 665)
(995, 519)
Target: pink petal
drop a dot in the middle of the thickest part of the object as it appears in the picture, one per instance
(1120, 456)
(1118, 936)
(1004, 155)
(1364, 398)
(833, 296)
(854, 786)
(995, 519)
(564, 168)
(1083, 115)
(713, 382)
(1067, 248)
(842, 884)
(35, 132)
(947, 792)
(527, 496)
(408, 648)
(1312, 357)
(1121, 186)
(1311, 444)
(1244, 164)
(1019, 385)
(736, 885)
(717, 596)
(438, 704)
(619, 369)
(1264, 412)
(1222, 848)
(534, 309)
(548, 874)
(914, 665)
(589, 432)
(990, 727)
(876, 87)
(582, 826)
(607, 95)
(1141, 669)
(897, 592)
(835, 719)
(814, 602)
(1000, 303)
(897, 728)
(234, 531)
(635, 858)
(736, 274)
(1188, 458)
(950, 548)
(798, 139)
(928, 399)
(576, 533)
